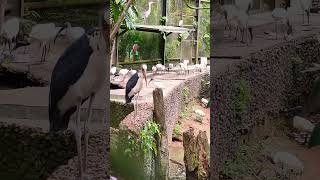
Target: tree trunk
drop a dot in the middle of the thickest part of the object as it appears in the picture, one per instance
(113, 52)
(3, 4)
(116, 27)
(196, 155)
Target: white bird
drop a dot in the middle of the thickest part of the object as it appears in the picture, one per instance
(160, 67)
(280, 15)
(132, 72)
(203, 61)
(145, 67)
(72, 33)
(181, 23)
(305, 7)
(244, 5)
(147, 13)
(230, 14)
(198, 67)
(302, 124)
(242, 20)
(123, 72)
(154, 69)
(183, 67)
(44, 33)
(9, 32)
(186, 62)
(113, 70)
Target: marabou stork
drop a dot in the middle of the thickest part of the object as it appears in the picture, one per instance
(9, 32)
(135, 85)
(78, 75)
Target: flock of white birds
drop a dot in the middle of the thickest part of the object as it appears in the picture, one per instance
(45, 34)
(237, 17)
(123, 75)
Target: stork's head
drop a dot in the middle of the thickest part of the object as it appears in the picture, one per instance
(144, 74)
(93, 35)
(67, 24)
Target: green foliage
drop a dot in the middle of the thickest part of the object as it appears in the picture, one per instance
(241, 99)
(183, 36)
(171, 48)
(117, 7)
(315, 137)
(148, 45)
(163, 20)
(147, 137)
(185, 93)
(296, 60)
(124, 166)
(184, 113)
(177, 129)
(315, 68)
(146, 142)
(242, 164)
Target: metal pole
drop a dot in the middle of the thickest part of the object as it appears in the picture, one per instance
(163, 41)
(197, 29)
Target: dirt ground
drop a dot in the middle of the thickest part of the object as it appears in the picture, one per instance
(259, 165)
(187, 119)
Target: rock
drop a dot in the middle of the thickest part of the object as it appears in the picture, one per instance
(302, 124)
(177, 137)
(204, 102)
(113, 178)
(289, 160)
(199, 112)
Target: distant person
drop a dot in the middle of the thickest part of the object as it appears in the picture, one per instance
(134, 54)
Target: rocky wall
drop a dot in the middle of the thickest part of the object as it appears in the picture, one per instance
(274, 82)
(32, 154)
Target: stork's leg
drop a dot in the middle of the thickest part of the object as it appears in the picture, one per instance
(308, 14)
(4, 47)
(78, 140)
(276, 28)
(10, 44)
(137, 104)
(86, 133)
(303, 18)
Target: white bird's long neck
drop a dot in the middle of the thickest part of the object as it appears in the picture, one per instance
(150, 6)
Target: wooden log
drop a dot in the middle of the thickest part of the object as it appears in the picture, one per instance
(196, 155)
(162, 160)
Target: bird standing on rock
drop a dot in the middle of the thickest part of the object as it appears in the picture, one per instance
(78, 75)
(135, 85)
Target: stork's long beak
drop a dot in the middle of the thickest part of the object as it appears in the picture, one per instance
(59, 32)
(150, 80)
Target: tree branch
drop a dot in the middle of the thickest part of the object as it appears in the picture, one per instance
(116, 27)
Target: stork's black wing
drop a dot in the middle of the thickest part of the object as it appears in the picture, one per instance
(66, 72)
(130, 85)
